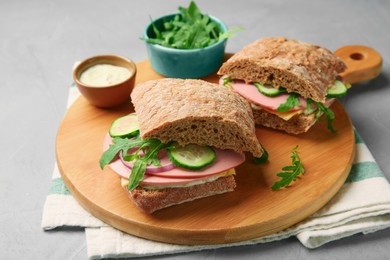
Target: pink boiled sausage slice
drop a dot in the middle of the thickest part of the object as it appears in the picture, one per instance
(226, 159)
(250, 92)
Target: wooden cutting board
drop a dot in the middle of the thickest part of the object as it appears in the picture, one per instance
(252, 210)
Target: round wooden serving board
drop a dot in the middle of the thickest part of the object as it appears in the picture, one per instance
(252, 210)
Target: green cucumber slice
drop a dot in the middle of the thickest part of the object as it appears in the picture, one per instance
(338, 89)
(268, 90)
(192, 156)
(125, 126)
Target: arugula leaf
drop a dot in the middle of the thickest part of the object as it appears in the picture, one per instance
(291, 102)
(119, 144)
(154, 146)
(328, 113)
(137, 174)
(321, 109)
(309, 108)
(230, 33)
(150, 148)
(290, 173)
(189, 30)
(155, 30)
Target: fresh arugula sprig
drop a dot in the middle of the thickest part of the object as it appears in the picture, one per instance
(309, 108)
(119, 144)
(149, 147)
(328, 113)
(321, 109)
(290, 173)
(291, 102)
(191, 29)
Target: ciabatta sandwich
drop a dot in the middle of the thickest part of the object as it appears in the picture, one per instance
(195, 133)
(288, 83)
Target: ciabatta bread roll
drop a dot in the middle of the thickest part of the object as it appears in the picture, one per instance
(183, 113)
(293, 66)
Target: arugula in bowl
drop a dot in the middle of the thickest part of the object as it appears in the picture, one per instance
(189, 29)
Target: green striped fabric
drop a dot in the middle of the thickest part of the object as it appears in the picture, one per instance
(58, 187)
(358, 138)
(364, 170)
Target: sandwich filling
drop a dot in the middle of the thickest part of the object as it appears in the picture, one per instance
(285, 105)
(163, 165)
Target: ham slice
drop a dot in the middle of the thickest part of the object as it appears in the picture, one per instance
(226, 159)
(270, 104)
(250, 92)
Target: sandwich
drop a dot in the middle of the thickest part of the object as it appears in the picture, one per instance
(288, 83)
(182, 143)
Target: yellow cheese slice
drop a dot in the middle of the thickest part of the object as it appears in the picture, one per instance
(283, 115)
(286, 115)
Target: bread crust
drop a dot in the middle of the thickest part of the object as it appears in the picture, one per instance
(195, 111)
(152, 200)
(295, 65)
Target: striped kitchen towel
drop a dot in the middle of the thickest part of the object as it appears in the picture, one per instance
(361, 206)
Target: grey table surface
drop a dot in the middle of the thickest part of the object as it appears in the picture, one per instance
(39, 42)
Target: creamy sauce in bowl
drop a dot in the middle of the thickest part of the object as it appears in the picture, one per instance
(102, 75)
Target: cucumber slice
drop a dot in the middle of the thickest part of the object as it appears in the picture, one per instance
(125, 126)
(338, 89)
(192, 156)
(268, 90)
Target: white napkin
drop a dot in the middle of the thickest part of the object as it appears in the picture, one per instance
(361, 206)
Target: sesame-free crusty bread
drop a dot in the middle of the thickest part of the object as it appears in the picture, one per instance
(197, 112)
(295, 65)
(298, 124)
(152, 200)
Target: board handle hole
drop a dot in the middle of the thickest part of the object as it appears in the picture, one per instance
(356, 56)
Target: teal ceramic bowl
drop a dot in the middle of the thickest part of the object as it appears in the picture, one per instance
(179, 63)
